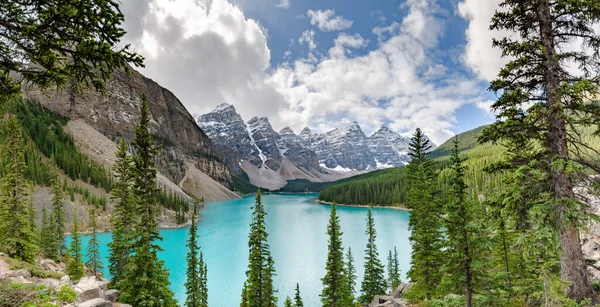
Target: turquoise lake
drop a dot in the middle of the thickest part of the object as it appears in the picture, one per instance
(297, 235)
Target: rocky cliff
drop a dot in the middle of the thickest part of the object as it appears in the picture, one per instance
(115, 115)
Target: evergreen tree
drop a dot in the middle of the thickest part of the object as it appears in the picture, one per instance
(46, 235)
(203, 281)
(288, 302)
(351, 271)
(66, 42)
(75, 267)
(244, 300)
(146, 279)
(544, 101)
(297, 298)
(196, 270)
(336, 288)
(93, 249)
(424, 222)
(122, 218)
(58, 215)
(393, 269)
(373, 281)
(16, 237)
(458, 221)
(259, 282)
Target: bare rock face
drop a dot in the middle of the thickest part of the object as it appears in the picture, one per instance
(116, 114)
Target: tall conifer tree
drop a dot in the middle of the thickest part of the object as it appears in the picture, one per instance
(195, 285)
(545, 101)
(93, 249)
(351, 271)
(373, 281)
(259, 282)
(424, 220)
(336, 288)
(58, 215)
(297, 297)
(16, 237)
(146, 279)
(393, 269)
(75, 267)
(123, 217)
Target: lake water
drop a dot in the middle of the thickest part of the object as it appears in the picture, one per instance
(297, 228)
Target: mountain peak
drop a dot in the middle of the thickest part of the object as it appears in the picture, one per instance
(286, 130)
(306, 131)
(223, 107)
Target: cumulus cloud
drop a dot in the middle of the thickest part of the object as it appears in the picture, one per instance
(284, 4)
(327, 21)
(308, 37)
(208, 52)
(479, 54)
(388, 85)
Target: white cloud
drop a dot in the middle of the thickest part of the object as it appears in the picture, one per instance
(308, 37)
(327, 21)
(284, 4)
(485, 60)
(208, 52)
(391, 84)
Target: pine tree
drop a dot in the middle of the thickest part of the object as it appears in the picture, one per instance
(195, 269)
(75, 267)
(394, 269)
(46, 234)
(424, 222)
(244, 300)
(297, 298)
(373, 281)
(351, 271)
(17, 239)
(259, 282)
(544, 101)
(458, 221)
(203, 281)
(122, 218)
(58, 215)
(146, 279)
(288, 302)
(93, 249)
(336, 288)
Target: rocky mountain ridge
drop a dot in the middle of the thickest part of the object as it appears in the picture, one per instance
(255, 148)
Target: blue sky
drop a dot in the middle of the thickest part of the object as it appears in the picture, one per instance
(324, 64)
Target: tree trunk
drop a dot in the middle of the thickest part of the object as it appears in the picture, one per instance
(572, 263)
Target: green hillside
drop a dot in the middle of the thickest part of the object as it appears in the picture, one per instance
(387, 187)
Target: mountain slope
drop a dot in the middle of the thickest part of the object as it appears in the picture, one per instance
(114, 115)
(388, 187)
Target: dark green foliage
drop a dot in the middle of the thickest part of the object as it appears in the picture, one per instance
(424, 221)
(93, 249)
(545, 107)
(122, 218)
(259, 283)
(303, 185)
(393, 269)
(244, 299)
(297, 298)
(351, 271)
(241, 183)
(46, 130)
(16, 236)
(47, 237)
(75, 267)
(73, 44)
(288, 302)
(463, 247)
(195, 285)
(58, 218)
(336, 288)
(373, 280)
(145, 282)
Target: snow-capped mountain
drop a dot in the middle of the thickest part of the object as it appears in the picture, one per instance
(271, 158)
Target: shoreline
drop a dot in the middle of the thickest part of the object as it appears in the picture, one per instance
(322, 202)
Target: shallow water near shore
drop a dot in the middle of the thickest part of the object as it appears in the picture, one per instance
(297, 228)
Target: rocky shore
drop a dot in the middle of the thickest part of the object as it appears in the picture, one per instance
(45, 283)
